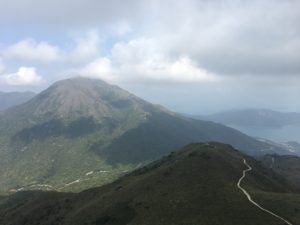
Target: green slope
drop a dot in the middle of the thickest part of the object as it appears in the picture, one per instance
(163, 132)
(196, 185)
(286, 165)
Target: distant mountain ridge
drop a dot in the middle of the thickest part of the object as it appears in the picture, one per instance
(256, 117)
(9, 99)
(262, 123)
(84, 126)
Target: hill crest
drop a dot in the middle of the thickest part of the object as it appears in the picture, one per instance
(196, 185)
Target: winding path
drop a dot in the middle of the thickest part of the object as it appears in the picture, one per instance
(250, 199)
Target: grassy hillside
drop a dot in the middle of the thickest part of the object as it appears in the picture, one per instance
(196, 185)
(163, 133)
(286, 165)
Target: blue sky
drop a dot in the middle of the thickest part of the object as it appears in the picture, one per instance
(192, 56)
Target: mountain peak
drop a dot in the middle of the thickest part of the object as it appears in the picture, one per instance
(82, 97)
(93, 88)
(80, 82)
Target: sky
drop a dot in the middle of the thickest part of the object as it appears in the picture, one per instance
(192, 56)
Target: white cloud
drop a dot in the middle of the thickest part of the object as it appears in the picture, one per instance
(182, 70)
(100, 68)
(145, 60)
(141, 61)
(30, 50)
(24, 76)
(82, 49)
(85, 48)
(231, 37)
(136, 51)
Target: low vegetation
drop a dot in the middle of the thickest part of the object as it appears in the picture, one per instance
(196, 185)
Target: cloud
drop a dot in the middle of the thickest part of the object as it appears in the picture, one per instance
(82, 48)
(99, 68)
(80, 12)
(23, 77)
(140, 61)
(229, 38)
(234, 37)
(30, 50)
(144, 60)
(85, 48)
(182, 70)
